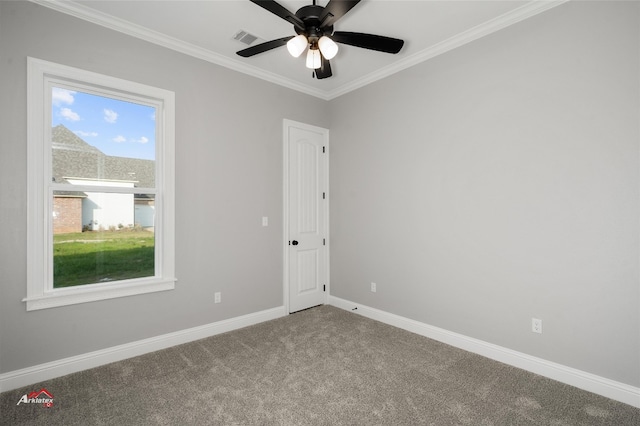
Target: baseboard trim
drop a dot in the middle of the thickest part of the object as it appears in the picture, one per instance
(50, 370)
(571, 376)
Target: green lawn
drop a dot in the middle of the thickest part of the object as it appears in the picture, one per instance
(95, 256)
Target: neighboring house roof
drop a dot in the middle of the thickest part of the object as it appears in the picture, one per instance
(75, 158)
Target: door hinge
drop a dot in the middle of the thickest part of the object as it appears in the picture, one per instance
(324, 195)
(323, 149)
(324, 242)
(324, 287)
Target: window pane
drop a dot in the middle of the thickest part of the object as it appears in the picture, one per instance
(98, 140)
(102, 141)
(101, 237)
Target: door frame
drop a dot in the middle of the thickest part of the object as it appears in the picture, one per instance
(286, 124)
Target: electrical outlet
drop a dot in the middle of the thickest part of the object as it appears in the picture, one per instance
(536, 325)
(373, 287)
(217, 297)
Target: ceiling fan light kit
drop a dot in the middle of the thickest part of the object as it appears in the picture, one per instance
(314, 27)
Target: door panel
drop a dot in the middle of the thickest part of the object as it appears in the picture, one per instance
(306, 179)
(307, 265)
(307, 254)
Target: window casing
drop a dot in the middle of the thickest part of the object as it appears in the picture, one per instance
(43, 77)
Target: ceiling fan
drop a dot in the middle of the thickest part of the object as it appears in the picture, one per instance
(314, 26)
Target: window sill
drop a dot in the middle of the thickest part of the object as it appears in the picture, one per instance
(95, 292)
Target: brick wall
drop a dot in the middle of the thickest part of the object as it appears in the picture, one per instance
(67, 215)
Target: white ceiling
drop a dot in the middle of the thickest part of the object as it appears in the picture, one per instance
(205, 29)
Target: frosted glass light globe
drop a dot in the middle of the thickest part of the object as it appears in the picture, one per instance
(328, 47)
(296, 45)
(313, 59)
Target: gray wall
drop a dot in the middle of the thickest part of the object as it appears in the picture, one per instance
(499, 182)
(489, 185)
(228, 175)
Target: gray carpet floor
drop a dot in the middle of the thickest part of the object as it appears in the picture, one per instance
(323, 366)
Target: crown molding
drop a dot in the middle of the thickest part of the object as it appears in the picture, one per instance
(99, 18)
(129, 28)
(524, 12)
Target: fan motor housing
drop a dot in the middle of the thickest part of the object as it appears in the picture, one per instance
(311, 15)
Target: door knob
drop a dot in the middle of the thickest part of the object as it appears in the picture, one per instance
(294, 242)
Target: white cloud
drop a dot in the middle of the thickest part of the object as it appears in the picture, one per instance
(85, 134)
(62, 96)
(110, 116)
(141, 140)
(119, 139)
(69, 115)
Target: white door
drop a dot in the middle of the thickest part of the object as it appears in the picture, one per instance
(306, 214)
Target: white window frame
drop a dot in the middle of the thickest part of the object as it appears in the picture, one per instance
(42, 75)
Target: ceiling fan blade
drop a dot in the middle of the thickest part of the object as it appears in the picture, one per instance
(278, 10)
(369, 41)
(325, 69)
(263, 47)
(335, 10)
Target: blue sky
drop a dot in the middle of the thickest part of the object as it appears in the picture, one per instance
(115, 127)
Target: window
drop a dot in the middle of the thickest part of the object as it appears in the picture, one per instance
(100, 187)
